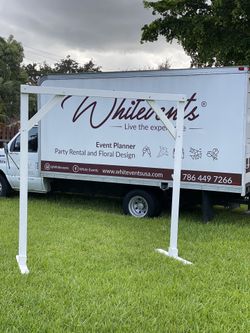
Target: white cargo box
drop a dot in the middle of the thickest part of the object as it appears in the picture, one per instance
(122, 141)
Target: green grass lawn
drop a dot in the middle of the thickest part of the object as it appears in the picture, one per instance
(95, 270)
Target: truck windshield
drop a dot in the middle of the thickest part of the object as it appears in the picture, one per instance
(33, 134)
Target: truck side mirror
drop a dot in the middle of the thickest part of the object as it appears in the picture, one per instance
(6, 149)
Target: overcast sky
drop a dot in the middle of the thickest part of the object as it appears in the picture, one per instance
(107, 31)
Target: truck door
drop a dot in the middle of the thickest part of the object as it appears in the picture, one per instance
(34, 180)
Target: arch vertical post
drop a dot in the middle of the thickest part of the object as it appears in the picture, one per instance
(173, 246)
(23, 202)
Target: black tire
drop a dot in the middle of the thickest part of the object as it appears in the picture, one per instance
(140, 203)
(4, 187)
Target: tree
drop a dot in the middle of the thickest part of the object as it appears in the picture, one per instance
(164, 65)
(90, 67)
(11, 76)
(35, 71)
(64, 66)
(214, 32)
(70, 66)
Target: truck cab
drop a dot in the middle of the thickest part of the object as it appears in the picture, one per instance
(10, 164)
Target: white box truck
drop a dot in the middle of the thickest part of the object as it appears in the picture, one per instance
(120, 147)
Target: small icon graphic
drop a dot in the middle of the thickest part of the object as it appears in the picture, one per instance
(213, 153)
(146, 150)
(182, 155)
(195, 154)
(47, 166)
(75, 168)
(163, 151)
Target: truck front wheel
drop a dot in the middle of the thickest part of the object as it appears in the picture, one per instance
(4, 187)
(140, 203)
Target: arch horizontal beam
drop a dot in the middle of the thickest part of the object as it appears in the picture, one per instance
(26, 89)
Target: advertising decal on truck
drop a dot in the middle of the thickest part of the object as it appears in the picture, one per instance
(124, 138)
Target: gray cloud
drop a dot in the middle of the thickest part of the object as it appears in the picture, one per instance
(82, 27)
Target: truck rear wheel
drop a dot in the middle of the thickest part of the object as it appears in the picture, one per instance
(4, 187)
(140, 203)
